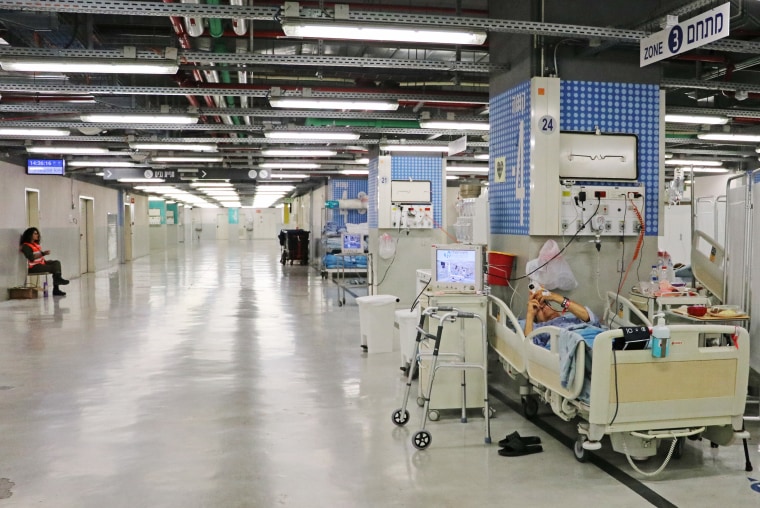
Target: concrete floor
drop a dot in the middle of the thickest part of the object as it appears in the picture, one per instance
(213, 376)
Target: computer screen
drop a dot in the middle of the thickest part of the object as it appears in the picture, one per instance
(457, 267)
(352, 243)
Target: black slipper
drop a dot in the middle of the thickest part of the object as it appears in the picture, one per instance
(526, 440)
(517, 451)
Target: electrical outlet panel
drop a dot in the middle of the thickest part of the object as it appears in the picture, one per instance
(411, 216)
(591, 210)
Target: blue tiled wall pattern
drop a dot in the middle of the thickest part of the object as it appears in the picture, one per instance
(422, 168)
(372, 191)
(505, 123)
(620, 108)
(613, 107)
(352, 188)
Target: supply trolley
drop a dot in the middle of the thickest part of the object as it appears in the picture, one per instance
(454, 360)
(295, 246)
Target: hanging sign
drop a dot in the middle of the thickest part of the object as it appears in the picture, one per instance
(687, 35)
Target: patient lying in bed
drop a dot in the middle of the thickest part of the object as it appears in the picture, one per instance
(555, 310)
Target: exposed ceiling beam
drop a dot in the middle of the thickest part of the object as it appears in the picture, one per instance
(203, 57)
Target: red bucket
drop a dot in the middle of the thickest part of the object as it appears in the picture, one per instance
(499, 268)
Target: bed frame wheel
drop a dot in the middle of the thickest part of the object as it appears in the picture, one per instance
(491, 412)
(434, 415)
(421, 439)
(530, 407)
(400, 418)
(581, 454)
(420, 401)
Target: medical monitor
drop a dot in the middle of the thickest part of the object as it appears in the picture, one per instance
(457, 267)
(352, 243)
(45, 167)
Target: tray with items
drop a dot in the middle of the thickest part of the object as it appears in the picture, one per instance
(714, 313)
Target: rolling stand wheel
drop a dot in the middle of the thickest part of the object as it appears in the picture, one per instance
(581, 454)
(420, 401)
(421, 439)
(529, 407)
(434, 415)
(400, 418)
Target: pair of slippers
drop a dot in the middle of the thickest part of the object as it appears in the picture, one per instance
(515, 445)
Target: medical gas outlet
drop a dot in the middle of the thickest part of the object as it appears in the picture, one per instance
(411, 216)
(591, 210)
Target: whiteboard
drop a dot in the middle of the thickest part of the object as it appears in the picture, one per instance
(590, 156)
(411, 191)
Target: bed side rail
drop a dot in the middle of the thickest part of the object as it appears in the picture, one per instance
(505, 334)
(695, 384)
(620, 311)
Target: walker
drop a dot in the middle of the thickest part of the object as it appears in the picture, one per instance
(422, 438)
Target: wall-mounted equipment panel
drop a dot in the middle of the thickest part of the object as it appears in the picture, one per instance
(601, 210)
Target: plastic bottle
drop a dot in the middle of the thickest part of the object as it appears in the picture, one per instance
(660, 338)
(654, 275)
(670, 269)
(664, 274)
(45, 289)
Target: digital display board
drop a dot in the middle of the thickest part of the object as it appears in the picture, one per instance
(45, 167)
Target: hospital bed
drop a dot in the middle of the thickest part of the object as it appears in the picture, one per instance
(635, 399)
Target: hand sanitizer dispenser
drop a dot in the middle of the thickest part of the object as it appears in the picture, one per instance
(660, 338)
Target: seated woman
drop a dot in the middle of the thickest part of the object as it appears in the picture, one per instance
(567, 313)
(30, 247)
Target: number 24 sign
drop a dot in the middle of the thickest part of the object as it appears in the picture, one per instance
(547, 124)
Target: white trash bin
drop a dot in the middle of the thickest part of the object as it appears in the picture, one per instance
(376, 322)
(406, 322)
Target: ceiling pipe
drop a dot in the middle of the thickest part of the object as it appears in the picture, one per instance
(239, 25)
(193, 26)
(184, 42)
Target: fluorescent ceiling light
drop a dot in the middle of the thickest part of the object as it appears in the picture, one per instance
(186, 159)
(295, 176)
(89, 65)
(481, 156)
(211, 184)
(317, 29)
(467, 169)
(141, 180)
(190, 147)
(355, 172)
(68, 150)
(692, 162)
(698, 119)
(289, 165)
(102, 164)
(149, 119)
(696, 169)
(316, 103)
(272, 188)
(452, 177)
(415, 148)
(299, 153)
(727, 136)
(31, 132)
(330, 136)
(454, 125)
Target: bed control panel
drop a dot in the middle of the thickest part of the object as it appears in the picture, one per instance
(598, 210)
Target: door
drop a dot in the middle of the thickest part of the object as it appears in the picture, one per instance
(127, 232)
(86, 236)
(32, 208)
(222, 221)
